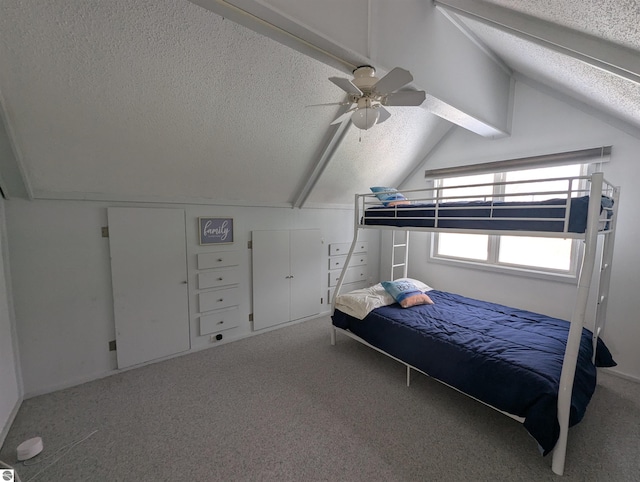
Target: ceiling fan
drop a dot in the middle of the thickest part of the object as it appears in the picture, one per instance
(370, 95)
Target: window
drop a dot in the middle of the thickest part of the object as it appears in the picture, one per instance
(537, 254)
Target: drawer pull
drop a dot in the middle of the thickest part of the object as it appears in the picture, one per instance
(221, 299)
(220, 322)
(220, 279)
(219, 260)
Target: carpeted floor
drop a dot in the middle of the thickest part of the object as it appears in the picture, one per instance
(288, 406)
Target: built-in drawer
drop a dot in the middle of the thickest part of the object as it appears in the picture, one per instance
(214, 300)
(357, 273)
(219, 321)
(218, 259)
(358, 259)
(218, 277)
(343, 248)
(337, 262)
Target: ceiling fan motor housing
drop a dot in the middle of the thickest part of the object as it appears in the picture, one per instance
(364, 78)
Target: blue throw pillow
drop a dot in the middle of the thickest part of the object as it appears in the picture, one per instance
(400, 289)
(406, 293)
(387, 195)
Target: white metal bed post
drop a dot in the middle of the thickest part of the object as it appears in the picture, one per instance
(346, 264)
(605, 273)
(577, 322)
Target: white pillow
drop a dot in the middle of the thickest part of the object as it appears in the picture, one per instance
(359, 303)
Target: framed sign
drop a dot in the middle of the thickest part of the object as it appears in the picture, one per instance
(216, 230)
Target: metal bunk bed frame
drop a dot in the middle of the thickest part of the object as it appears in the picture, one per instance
(598, 187)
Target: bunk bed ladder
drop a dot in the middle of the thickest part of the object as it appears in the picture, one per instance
(399, 244)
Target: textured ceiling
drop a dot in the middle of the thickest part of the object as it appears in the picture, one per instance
(380, 156)
(604, 91)
(164, 100)
(588, 51)
(614, 20)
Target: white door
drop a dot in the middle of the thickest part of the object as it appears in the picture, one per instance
(270, 261)
(286, 276)
(149, 278)
(305, 256)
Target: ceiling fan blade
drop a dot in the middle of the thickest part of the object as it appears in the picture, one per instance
(343, 117)
(346, 85)
(410, 97)
(384, 115)
(330, 103)
(393, 81)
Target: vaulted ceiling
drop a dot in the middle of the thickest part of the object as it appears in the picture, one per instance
(210, 100)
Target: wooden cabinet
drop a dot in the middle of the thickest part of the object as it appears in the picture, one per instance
(357, 273)
(219, 295)
(286, 276)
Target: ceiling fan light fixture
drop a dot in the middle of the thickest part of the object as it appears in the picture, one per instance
(365, 118)
(371, 94)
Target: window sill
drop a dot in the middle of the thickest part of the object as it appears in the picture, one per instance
(568, 278)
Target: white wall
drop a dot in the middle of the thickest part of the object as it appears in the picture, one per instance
(62, 281)
(543, 124)
(10, 387)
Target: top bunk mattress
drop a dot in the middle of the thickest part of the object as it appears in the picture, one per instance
(542, 216)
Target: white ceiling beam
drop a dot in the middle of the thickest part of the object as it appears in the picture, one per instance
(471, 92)
(333, 140)
(270, 23)
(602, 54)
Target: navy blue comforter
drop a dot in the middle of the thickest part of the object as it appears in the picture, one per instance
(506, 357)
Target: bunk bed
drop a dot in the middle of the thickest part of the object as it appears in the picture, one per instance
(536, 369)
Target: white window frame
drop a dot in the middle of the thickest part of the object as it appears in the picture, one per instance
(493, 264)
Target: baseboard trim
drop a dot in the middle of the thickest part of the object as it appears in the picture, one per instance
(618, 374)
(97, 376)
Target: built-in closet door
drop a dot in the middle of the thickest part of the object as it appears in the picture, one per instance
(286, 276)
(149, 278)
(270, 262)
(305, 259)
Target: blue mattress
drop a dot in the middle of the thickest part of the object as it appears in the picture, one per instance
(506, 357)
(492, 213)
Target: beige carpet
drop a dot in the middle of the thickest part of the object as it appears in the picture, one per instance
(288, 406)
